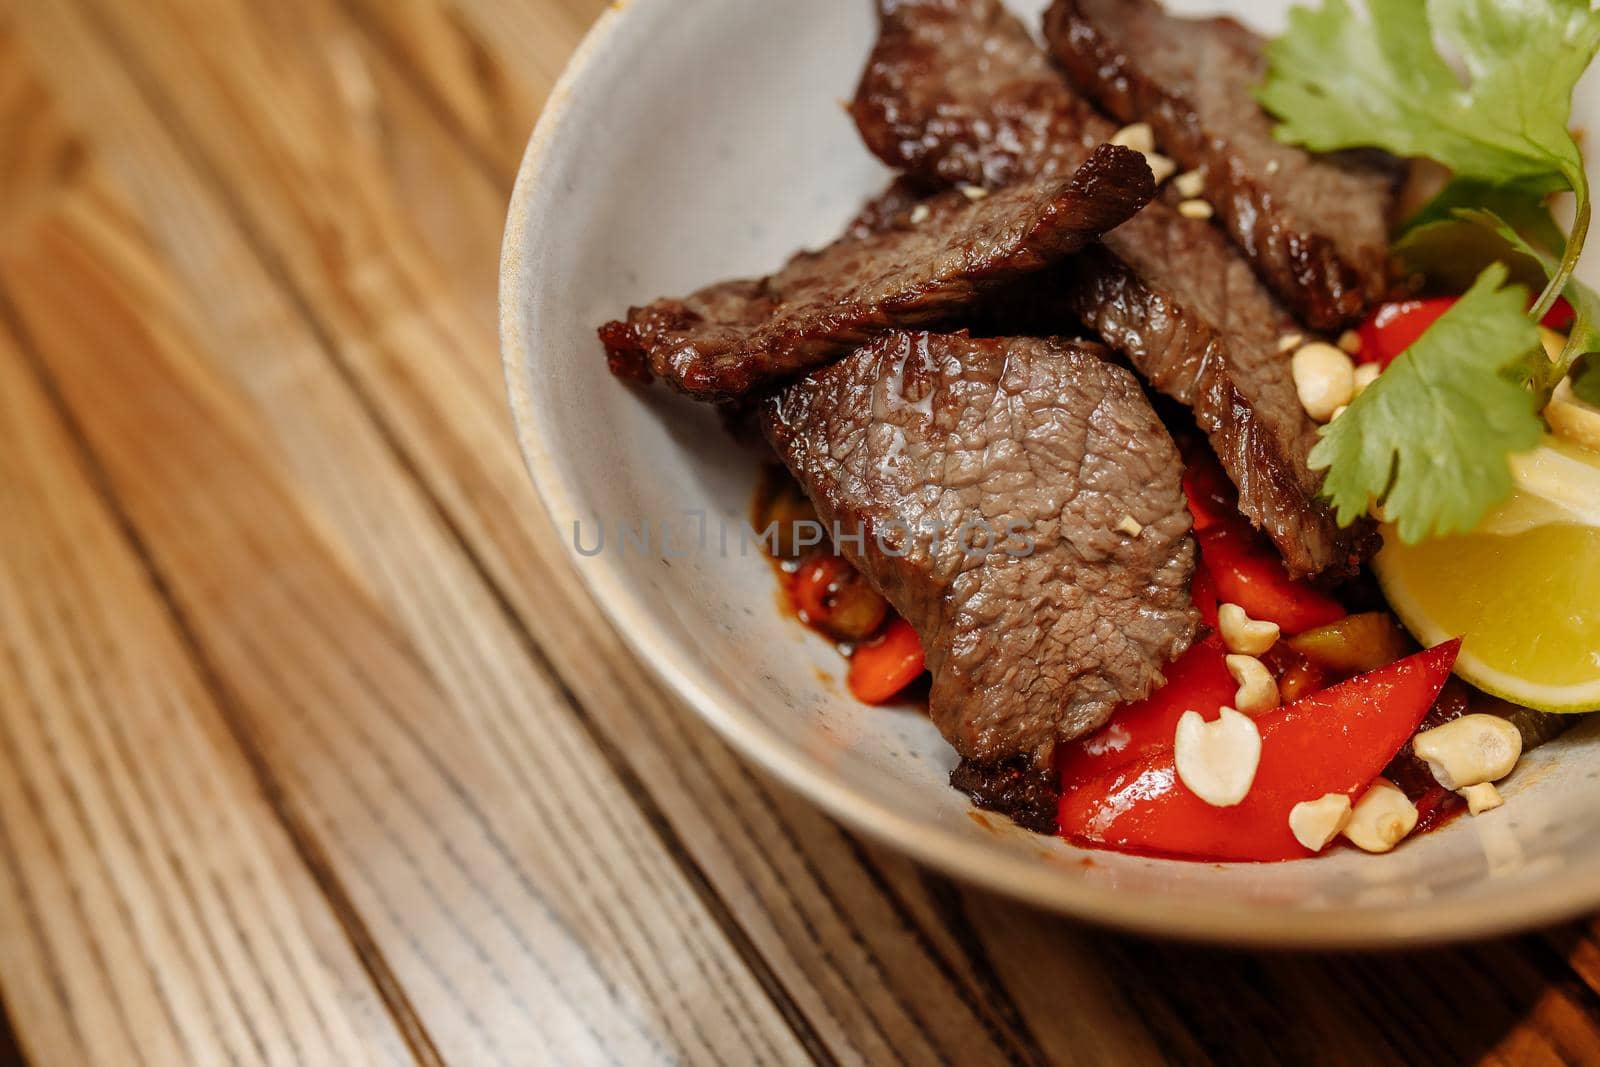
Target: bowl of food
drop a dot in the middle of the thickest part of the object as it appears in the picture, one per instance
(1164, 487)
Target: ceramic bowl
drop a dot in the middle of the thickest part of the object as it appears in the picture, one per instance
(689, 143)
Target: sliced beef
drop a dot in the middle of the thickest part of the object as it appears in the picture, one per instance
(729, 339)
(889, 209)
(1315, 227)
(1247, 409)
(931, 447)
(957, 91)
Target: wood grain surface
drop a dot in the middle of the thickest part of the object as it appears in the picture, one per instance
(312, 748)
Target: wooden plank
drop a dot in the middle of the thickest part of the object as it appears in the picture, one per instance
(151, 908)
(487, 106)
(524, 906)
(144, 875)
(10, 1051)
(1579, 945)
(830, 930)
(1456, 1005)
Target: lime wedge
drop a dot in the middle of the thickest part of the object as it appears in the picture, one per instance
(1523, 588)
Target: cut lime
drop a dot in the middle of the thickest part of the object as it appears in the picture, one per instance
(1523, 589)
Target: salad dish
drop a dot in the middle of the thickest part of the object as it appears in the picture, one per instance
(1134, 459)
(1104, 409)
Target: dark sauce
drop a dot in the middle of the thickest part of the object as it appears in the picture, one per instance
(779, 499)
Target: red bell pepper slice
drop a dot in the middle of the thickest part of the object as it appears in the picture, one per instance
(1203, 592)
(1334, 741)
(1560, 317)
(1246, 570)
(1394, 327)
(1238, 565)
(882, 667)
(1212, 498)
(1198, 679)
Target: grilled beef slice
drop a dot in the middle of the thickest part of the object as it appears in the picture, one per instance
(1315, 227)
(957, 91)
(890, 208)
(732, 338)
(1043, 441)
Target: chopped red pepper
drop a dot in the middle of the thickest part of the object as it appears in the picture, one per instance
(1248, 571)
(832, 595)
(1237, 564)
(1334, 741)
(1394, 327)
(1198, 679)
(1560, 317)
(1212, 498)
(882, 667)
(1299, 677)
(812, 580)
(1203, 591)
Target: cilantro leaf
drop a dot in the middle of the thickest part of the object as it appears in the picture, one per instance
(1340, 81)
(1432, 437)
(1523, 208)
(1525, 239)
(1583, 339)
(1586, 380)
(1429, 438)
(1451, 253)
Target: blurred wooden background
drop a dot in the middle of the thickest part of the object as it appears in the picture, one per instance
(312, 750)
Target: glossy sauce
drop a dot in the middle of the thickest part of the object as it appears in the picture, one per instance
(779, 498)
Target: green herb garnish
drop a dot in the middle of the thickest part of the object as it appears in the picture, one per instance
(1430, 438)
(1435, 438)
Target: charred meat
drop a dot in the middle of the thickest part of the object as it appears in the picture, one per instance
(736, 337)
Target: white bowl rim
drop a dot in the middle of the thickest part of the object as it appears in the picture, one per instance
(1038, 883)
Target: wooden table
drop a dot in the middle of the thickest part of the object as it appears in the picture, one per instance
(312, 749)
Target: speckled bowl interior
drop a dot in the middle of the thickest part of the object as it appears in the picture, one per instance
(690, 142)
